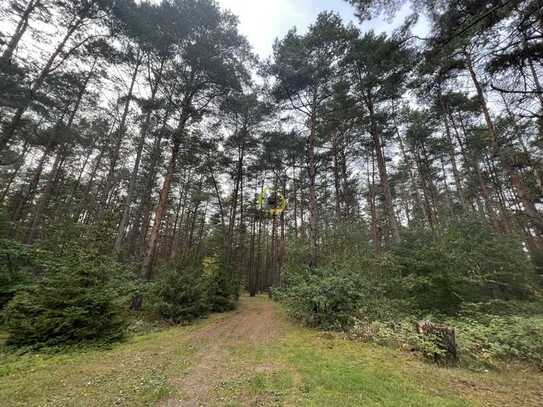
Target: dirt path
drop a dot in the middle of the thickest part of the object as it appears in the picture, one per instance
(254, 357)
(253, 324)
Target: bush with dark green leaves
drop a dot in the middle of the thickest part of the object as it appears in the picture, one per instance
(185, 292)
(223, 287)
(458, 275)
(72, 303)
(437, 272)
(180, 295)
(75, 297)
(4, 223)
(223, 292)
(13, 276)
(19, 265)
(324, 297)
(462, 263)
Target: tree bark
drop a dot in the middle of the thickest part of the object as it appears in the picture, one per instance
(524, 193)
(337, 180)
(22, 25)
(374, 211)
(252, 268)
(121, 131)
(135, 170)
(312, 174)
(147, 266)
(412, 178)
(383, 176)
(143, 215)
(32, 187)
(44, 198)
(7, 136)
(179, 216)
(159, 213)
(19, 164)
(452, 154)
(233, 211)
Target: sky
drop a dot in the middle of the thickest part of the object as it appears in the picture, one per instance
(262, 21)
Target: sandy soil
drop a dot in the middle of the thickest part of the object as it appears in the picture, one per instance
(253, 323)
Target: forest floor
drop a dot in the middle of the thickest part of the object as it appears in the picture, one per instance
(253, 357)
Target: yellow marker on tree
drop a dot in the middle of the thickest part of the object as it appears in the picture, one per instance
(272, 202)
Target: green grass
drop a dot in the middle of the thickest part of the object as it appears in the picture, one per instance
(297, 367)
(336, 372)
(134, 373)
(305, 369)
(310, 368)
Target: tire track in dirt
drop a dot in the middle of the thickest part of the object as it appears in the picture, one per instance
(254, 323)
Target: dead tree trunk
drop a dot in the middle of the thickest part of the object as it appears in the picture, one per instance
(443, 337)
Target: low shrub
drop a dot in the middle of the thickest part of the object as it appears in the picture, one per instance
(461, 263)
(16, 268)
(400, 334)
(494, 338)
(322, 298)
(72, 303)
(461, 275)
(223, 289)
(180, 295)
(488, 341)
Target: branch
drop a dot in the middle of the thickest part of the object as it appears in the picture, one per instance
(519, 92)
(73, 49)
(477, 20)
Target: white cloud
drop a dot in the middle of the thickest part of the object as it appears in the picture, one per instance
(258, 20)
(262, 21)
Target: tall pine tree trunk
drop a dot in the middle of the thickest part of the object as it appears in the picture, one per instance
(383, 176)
(8, 134)
(147, 266)
(32, 187)
(412, 177)
(44, 198)
(18, 165)
(452, 154)
(161, 209)
(312, 174)
(374, 211)
(135, 170)
(337, 180)
(143, 214)
(526, 196)
(252, 268)
(119, 137)
(22, 25)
